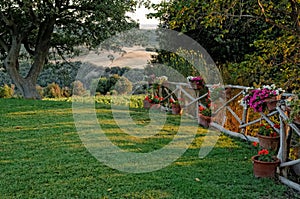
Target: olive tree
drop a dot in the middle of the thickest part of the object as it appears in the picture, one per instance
(32, 29)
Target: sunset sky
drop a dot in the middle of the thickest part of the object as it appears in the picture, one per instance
(140, 16)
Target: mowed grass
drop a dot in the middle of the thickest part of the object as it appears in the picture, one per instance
(42, 156)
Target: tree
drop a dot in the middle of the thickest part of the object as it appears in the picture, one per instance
(250, 39)
(33, 29)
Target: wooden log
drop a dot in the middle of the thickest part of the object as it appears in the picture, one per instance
(257, 120)
(289, 183)
(230, 86)
(269, 121)
(282, 154)
(233, 134)
(234, 114)
(292, 125)
(290, 163)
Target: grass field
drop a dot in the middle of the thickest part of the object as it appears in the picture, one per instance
(42, 156)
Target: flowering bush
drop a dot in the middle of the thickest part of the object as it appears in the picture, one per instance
(256, 98)
(198, 80)
(153, 99)
(264, 154)
(267, 130)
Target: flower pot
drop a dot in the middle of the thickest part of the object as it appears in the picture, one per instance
(268, 142)
(176, 109)
(155, 106)
(146, 104)
(204, 120)
(272, 102)
(264, 169)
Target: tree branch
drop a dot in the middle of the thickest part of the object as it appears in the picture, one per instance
(27, 47)
(237, 16)
(3, 44)
(6, 20)
(295, 31)
(296, 14)
(261, 6)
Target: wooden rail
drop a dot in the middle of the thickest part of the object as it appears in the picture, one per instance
(285, 131)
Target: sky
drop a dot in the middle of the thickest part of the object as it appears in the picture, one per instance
(135, 57)
(140, 16)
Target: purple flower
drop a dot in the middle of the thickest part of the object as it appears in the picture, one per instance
(256, 98)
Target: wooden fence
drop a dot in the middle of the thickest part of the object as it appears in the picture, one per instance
(243, 119)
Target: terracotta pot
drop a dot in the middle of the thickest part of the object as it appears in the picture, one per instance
(155, 106)
(204, 120)
(146, 104)
(176, 109)
(264, 169)
(268, 142)
(272, 102)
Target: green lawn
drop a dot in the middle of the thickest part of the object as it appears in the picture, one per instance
(42, 156)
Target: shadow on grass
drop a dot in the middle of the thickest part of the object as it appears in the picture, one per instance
(42, 156)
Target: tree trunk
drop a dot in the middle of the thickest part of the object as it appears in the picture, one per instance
(28, 89)
(27, 85)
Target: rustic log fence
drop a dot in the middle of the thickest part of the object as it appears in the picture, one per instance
(244, 122)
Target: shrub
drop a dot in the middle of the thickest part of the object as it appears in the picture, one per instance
(52, 90)
(40, 90)
(123, 86)
(61, 73)
(66, 92)
(112, 92)
(6, 91)
(102, 86)
(140, 88)
(107, 84)
(78, 88)
(112, 80)
(116, 70)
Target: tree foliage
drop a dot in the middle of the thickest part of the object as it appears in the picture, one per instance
(252, 41)
(32, 29)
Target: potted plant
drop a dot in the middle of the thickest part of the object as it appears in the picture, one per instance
(152, 101)
(204, 118)
(264, 163)
(268, 137)
(196, 83)
(176, 106)
(259, 98)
